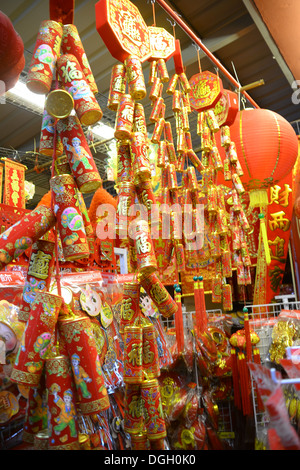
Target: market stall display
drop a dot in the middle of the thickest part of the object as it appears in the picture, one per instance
(113, 361)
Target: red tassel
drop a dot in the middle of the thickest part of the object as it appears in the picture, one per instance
(245, 383)
(203, 313)
(248, 337)
(197, 320)
(179, 328)
(257, 360)
(235, 380)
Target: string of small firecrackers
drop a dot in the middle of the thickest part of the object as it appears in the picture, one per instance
(239, 368)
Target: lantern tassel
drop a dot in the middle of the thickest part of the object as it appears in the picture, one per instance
(264, 237)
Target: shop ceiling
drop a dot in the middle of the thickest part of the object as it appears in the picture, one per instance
(232, 30)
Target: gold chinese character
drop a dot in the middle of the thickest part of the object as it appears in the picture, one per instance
(148, 355)
(276, 276)
(279, 221)
(135, 355)
(126, 311)
(39, 265)
(279, 196)
(278, 243)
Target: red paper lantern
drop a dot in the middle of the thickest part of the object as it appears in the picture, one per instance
(12, 59)
(267, 147)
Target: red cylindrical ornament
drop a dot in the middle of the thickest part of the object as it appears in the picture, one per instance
(74, 81)
(20, 236)
(117, 86)
(47, 137)
(156, 109)
(180, 258)
(38, 339)
(140, 441)
(172, 177)
(130, 310)
(151, 367)
(71, 44)
(139, 119)
(126, 198)
(176, 105)
(133, 355)
(135, 78)
(161, 154)
(162, 70)
(133, 413)
(157, 131)
(146, 260)
(192, 179)
(82, 350)
(158, 293)
(172, 84)
(124, 168)
(69, 218)
(171, 153)
(147, 198)
(79, 156)
(154, 417)
(62, 412)
(124, 118)
(45, 54)
(38, 275)
(139, 157)
(227, 297)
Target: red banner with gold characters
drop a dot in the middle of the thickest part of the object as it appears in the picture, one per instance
(280, 211)
(14, 184)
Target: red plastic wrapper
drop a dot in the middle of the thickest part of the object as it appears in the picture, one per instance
(62, 412)
(45, 54)
(38, 339)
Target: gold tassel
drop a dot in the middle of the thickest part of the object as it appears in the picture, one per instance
(263, 233)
